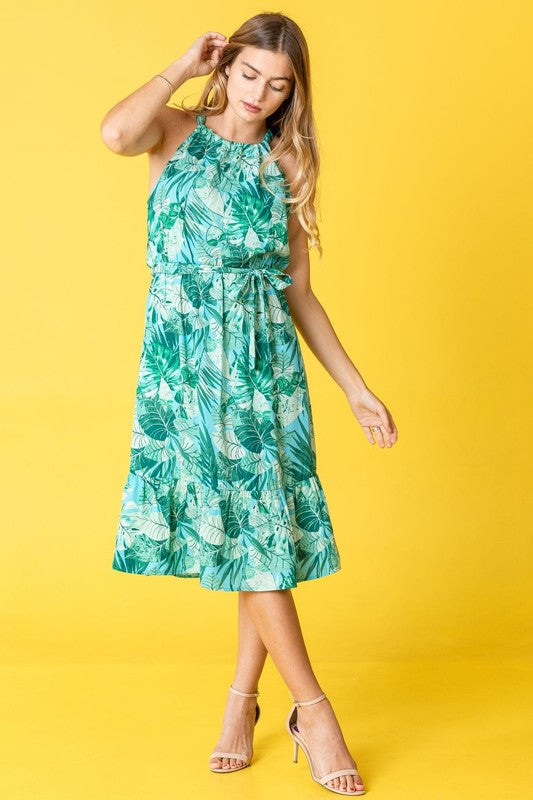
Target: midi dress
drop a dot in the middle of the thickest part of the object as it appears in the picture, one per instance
(222, 482)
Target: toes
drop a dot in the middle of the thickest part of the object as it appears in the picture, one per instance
(223, 762)
(350, 783)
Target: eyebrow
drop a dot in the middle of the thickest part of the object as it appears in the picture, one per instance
(279, 78)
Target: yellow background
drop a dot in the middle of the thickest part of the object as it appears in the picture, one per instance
(115, 684)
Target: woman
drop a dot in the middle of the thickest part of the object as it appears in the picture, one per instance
(222, 482)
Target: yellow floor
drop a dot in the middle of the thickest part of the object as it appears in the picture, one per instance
(424, 729)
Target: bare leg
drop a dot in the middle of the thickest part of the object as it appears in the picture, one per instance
(276, 621)
(239, 715)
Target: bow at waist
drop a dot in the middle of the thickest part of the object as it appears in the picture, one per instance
(253, 290)
(256, 282)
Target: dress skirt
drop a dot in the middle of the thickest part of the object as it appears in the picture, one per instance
(222, 482)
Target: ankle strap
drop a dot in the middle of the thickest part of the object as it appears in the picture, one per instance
(309, 702)
(243, 694)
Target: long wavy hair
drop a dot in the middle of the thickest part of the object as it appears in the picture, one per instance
(293, 122)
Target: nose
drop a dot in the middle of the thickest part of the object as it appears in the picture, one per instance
(260, 95)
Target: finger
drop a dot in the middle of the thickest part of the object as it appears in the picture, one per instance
(385, 435)
(215, 48)
(385, 420)
(376, 430)
(214, 57)
(386, 428)
(368, 435)
(391, 427)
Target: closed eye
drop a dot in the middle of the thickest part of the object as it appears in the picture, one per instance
(252, 78)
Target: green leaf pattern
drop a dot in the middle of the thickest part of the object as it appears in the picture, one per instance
(222, 482)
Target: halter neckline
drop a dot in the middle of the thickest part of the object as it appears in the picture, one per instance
(201, 121)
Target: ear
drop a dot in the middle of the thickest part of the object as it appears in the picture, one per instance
(226, 68)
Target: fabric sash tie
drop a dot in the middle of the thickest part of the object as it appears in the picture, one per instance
(255, 287)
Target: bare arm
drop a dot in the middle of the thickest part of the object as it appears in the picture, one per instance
(316, 329)
(311, 319)
(137, 123)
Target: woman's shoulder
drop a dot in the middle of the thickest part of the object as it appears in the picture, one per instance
(176, 121)
(176, 125)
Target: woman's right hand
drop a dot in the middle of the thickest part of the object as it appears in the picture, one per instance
(204, 54)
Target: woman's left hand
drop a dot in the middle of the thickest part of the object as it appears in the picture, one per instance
(373, 417)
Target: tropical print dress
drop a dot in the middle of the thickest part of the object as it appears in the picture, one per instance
(222, 482)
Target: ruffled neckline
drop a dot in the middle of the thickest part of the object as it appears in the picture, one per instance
(210, 132)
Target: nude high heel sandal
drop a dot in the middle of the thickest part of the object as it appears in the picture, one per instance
(299, 740)
(219, 754)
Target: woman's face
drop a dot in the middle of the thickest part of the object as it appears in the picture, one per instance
(260, 79)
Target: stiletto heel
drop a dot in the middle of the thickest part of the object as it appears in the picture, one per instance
(298, 739)
(245, 759)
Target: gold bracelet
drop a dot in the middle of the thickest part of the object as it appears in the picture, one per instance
(172, 90)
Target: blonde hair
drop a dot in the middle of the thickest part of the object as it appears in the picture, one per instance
(293, 122)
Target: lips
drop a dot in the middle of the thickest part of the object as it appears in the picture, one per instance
(250, 106)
